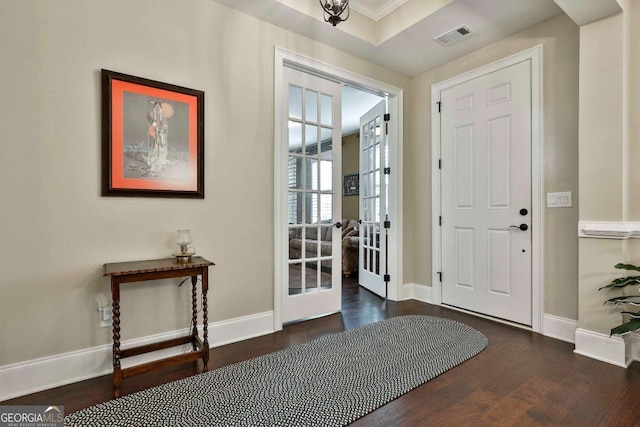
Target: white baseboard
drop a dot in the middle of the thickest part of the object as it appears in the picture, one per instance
(417, 292)
(41, 374)
(559, 328)
(602, 347)
(634, 344)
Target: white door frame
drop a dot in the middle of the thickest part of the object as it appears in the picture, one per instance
(293, 59)
(533, 54)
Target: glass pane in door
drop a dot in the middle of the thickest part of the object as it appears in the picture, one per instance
(295, 102)
(295, 278)
(371, 172)
(311, 190)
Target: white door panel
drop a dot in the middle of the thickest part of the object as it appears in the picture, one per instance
(486, 181)
(312, 143)
(373, 200)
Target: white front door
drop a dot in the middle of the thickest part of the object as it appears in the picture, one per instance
(373, 200)
(486, 194)
(312, 143)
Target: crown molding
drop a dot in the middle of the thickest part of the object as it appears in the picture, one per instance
(373, 13)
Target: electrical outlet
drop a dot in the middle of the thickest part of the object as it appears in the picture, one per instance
(106, 314)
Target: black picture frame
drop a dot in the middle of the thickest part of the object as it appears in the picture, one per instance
(152, 138)
(351, 184)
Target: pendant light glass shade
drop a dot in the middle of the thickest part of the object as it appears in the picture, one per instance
(333, 10)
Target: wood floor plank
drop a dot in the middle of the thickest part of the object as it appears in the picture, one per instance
(520, 379)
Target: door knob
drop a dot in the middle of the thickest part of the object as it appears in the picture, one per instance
(338, 224)
(523, 227)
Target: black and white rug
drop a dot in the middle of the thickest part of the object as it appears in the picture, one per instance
(330, 381)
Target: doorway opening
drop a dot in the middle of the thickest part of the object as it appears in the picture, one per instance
(356, 102)
(355, 86)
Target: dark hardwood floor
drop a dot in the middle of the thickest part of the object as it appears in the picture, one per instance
(520, 379)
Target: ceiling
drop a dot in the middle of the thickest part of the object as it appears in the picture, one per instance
(399, 34)
(402, 40)
(355, 103)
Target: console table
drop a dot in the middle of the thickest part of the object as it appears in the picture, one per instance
(138, 271)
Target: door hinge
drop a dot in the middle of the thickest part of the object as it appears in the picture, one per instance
(439, 106)
(440, 221)
(387, 171)
(387, 278)
(440, 275)
(387, 117)
(439, 163)
(387, 224)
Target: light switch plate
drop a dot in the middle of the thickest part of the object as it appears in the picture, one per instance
(559, 200)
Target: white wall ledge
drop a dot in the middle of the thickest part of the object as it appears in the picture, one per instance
(609, 230)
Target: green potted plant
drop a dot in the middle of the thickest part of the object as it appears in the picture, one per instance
(633, 300)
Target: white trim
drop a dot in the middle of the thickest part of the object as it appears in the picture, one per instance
(373, 13)
(279, 205)
(555, 327)
(484, 316)
(291, 58)
(559, 328)
(330, 71)
(609, 230)
(602, 347)
(634, 344)
(415, 291)
(45, 373)
(436, 197)
(535, 55)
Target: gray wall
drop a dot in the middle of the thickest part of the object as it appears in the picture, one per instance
(350, 164)
(58, 231)
(560, 38)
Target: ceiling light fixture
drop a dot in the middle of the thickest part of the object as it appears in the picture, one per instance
(333, 10)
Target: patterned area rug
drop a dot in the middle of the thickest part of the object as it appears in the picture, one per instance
(330, 381)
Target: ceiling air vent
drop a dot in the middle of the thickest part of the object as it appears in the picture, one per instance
(454, 35)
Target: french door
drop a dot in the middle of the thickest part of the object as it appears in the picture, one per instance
(486, 194)
(312, 140)
(373, 200)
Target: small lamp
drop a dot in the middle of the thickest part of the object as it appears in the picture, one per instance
(183, 239)
(333, 10)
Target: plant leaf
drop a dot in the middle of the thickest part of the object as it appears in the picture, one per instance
(622, 282)
(630, 326)
(633, 314)
(622, 266)
(625, 299)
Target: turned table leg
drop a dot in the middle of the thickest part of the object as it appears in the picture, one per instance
(115, 304)
(194, 311)
(205, 319)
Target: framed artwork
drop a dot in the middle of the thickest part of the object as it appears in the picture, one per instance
(351, 184)
(152, 138)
